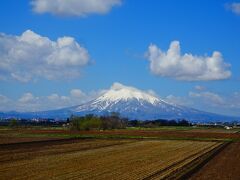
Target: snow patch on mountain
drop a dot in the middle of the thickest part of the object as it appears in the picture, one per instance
(121, 98)
(120, 92)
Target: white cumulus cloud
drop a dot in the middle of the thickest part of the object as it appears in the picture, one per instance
(74, 7)
(31, 56)
(77, 93)
(26, 98)
(199, 88)
(186, 67)
(234, 7)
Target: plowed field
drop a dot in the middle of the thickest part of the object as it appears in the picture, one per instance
(224, 166)
(98, 159)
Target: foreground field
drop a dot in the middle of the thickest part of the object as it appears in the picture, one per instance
(166, 152)
(223, 166)
(99, 159)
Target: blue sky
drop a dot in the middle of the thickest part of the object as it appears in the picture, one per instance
(117, 41)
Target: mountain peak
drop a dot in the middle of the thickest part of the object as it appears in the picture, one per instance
(120, 92)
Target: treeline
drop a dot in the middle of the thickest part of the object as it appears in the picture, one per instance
(114, 121)
(91, 122)
(158, 123)
(25, 123)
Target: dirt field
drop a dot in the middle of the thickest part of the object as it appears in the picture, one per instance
(7, 140)
(118, 154)
(207, 134)
(225, 165)
(98, 159)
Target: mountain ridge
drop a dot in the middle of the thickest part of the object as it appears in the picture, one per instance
(131, 103)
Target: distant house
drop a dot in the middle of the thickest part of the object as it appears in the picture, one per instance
(227, 127)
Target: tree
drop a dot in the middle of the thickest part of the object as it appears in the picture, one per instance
(183, 122)
(13, 123)
(90, 122)
(87, 122)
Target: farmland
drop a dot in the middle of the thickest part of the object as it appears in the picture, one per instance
(223, 166)
(114, 154)
(99, 159)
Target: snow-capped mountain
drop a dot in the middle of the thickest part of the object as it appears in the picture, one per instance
(136, 104)
(129, 102)
(133, 103)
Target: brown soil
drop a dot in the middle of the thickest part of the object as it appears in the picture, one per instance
(29, 150)
(97, 159)
(225, 165)
(10, 140)
(16, 136)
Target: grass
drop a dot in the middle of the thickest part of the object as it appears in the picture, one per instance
(130, 133)
(180, 128)
(185, 128)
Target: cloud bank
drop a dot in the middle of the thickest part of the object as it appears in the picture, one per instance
(31, 56)
(209, 101)
(186, 67)
(29, 102)
(79, 8)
